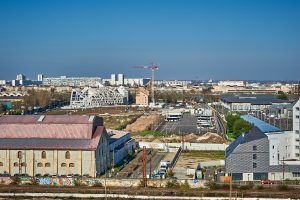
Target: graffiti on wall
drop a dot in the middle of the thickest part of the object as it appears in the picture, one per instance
(55, 181)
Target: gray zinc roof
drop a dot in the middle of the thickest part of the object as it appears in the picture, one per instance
(255, 99)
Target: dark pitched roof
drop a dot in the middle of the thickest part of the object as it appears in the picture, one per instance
(254, 134)
(255, 99)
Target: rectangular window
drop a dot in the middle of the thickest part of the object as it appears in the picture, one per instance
(297, 147)
(254, 156)
(297, 116)
(254, 165)
(273, 147)
(254, 148)
(297, 131)
(296, 174)
(297, 154)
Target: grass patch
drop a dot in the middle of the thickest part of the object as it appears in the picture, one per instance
(216, 155)
(230, 136)
(119, 122)
(149, 132)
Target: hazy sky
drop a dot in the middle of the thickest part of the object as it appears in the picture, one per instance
(200, 39)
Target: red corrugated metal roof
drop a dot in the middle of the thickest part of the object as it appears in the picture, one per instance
(60, 127)
(51, 119)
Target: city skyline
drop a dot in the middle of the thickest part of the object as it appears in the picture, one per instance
(190, 40)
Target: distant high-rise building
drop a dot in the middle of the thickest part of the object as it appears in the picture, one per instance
(120, 79)
(113, 79)
(40, 77)
(20, 77)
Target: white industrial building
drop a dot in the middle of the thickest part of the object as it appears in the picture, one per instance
(232, 83)
(118, 80)
(204, 119)
(121, 145)
(95, 97)
(71, 81)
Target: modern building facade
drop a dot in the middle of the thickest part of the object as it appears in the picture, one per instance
(53, 145)
(247, 102)
(95, 97)
(265, 152)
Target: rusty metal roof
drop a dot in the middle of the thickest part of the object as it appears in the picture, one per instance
(48, 119)
(48, 126)
(53, 143)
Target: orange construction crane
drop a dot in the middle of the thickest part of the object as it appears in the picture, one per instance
(153, 68)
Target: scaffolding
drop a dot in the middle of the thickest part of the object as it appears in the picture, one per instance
(96, 97)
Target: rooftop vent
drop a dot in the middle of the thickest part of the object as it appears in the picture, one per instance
(91, 119)
(41, 118)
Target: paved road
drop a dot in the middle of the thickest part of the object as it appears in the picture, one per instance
(187, 124)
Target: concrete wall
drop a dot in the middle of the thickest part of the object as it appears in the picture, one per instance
(55, 162)
(186, 146)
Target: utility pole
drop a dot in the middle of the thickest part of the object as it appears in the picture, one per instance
(283, 170)
(144, 166)
(150, 173)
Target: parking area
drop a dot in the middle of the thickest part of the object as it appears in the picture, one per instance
(187, 124)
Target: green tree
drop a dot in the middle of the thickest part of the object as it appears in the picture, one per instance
(282, 95)
(231, 118)
(241, 126)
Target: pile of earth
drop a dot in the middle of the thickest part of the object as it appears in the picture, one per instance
(211, 138)
(143, 123)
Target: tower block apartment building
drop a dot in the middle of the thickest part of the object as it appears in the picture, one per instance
(53, 145)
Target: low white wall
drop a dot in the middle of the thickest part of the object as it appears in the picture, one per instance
(186, 146)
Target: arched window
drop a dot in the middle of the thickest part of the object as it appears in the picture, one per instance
(71, 165)
(1, 164)
(44, 155)
(63, 164)
(47, 164)
(16, 164)
(19, 154)
(40, 164)
(23, 164)
(67, 156)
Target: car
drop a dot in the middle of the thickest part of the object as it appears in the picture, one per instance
(47, 175)
(266, 182)
(76, 176)
(70, 175)
(5, 175)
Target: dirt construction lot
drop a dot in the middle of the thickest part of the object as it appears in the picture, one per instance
(190, 159)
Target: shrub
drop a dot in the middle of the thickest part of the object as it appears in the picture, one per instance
(15, 181)
(185, 186)
(282, 187)
(248, 186)
(212, 185)
(170, 173)
(260, 187)
(225, 186)
(172, 184)
(98, 184)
